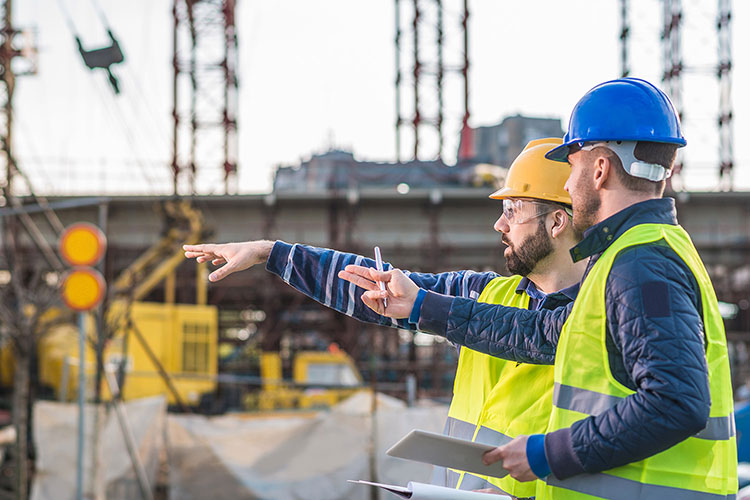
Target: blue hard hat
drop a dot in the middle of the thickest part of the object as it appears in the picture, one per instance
(626, 109)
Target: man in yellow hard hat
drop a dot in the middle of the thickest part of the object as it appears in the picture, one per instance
(493, 400)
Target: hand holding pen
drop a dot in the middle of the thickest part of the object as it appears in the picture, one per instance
(400, 291)
(383, 289)
(379, 267)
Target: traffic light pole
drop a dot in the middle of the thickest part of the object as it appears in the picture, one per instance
(81, 402)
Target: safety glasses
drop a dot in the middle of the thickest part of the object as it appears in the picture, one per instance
(519, 211)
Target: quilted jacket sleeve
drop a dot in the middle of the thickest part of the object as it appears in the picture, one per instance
(505, 332)
(657, 345)
(314, 272)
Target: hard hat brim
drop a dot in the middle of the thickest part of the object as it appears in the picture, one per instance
(560, 153)
(503, 193)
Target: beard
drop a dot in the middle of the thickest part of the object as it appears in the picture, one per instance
(523, 259)
(585, 207)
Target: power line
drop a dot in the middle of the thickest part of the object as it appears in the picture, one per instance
(128, 134)
(118, 114)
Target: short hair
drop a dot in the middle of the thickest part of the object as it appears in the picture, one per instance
(659, 153)
(555, 205)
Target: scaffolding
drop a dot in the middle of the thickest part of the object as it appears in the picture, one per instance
(671, 43)
(427, 72)
(624, 35)
(724, 74)
(204, 149)
(675, 69)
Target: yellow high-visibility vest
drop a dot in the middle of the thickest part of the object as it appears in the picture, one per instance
(703, 466)
(495, 400)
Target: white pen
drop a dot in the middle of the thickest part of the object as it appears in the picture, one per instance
(379, 267)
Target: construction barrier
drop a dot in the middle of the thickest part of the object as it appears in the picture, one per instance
(295, 455)
(108, 468)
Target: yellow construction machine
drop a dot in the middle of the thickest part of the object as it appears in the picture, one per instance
(162, 348)
(319, 379)
(171, 349)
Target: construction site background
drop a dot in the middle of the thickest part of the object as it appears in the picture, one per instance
(245, 388)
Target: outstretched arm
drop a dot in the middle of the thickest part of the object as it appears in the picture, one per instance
(313, 271)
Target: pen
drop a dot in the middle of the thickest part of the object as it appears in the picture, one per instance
(379, 267)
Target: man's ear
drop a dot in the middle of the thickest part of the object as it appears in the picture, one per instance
(560, 221)
(602, 171)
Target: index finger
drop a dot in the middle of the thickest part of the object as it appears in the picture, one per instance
(360, 281)
(203, 248)
(190, 254)
(368, 273)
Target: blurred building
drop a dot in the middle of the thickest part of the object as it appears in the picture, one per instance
(500, 144)
(481, 151)
(338, 170)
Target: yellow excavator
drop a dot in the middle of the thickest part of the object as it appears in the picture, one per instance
(162, 348)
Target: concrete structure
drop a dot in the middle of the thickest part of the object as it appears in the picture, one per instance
(428, 230)
(338, 171)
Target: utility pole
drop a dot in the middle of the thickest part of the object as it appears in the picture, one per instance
(21, 388)
(7, 87)
(15, 295)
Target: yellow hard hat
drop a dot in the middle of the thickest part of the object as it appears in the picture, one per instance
(531, 175)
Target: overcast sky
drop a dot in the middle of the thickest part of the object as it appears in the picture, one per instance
(317, 74)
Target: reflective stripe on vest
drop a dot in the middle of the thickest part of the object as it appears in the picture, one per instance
(618, 488)
(459, 429)
(485, 435)
(499, 399)
(471, 482)
(593, 403)
(701, 467)
(444, 477)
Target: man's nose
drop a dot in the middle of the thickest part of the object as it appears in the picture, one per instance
(501, 225)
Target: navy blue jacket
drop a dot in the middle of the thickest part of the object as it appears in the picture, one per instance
(314, 272)
(655, 346)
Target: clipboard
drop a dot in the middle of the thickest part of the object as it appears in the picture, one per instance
(421, 491)
(446, 451)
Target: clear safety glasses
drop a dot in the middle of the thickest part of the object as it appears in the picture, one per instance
(518, 211)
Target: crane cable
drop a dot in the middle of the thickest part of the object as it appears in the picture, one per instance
(118, 112)
(69, 19)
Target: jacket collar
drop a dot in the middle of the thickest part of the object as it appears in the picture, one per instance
(528, 286)
(598, 237)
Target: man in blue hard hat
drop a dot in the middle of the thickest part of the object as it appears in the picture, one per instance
(642, 404)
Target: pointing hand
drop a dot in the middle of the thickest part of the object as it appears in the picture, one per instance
(232, 257)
